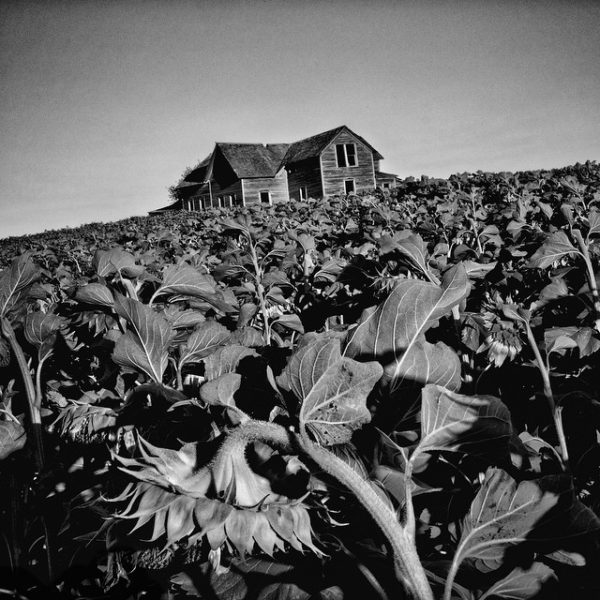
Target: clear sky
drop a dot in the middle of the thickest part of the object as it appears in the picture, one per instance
(103, 103)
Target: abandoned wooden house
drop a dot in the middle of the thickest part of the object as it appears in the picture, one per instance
(335, 162)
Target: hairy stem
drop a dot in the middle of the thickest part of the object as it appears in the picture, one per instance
(591, 277)
(450, 580)
(38, 382)
(409, 509)
(556, 413)
(33, 403)
(260, 292)
(407, 564)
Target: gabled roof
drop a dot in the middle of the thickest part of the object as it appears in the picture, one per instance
(313, 146)
(198, 173)
(253, 160)
(177, 205)
(188, 186)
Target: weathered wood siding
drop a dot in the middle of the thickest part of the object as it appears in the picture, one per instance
(202, 199)
(334, 176)
(385, 181)
(277, 186)
(306, 173)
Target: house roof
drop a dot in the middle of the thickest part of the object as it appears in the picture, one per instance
(198, 173)
(313, 146)
(384, 175)
(188, 186)
(177, 205)
(253, 160)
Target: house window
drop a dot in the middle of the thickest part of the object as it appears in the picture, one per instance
(303, 193)
(349, 186)
(265, 197)
(346, 155)
(386, 186)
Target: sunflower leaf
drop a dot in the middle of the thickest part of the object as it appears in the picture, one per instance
(144, 347)
(332, 389)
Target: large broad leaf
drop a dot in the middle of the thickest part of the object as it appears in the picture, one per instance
(220, 391)
(332, 388)
(95, 293)
(560, 339)
(40, 330)
(426, 363)
(452, 422)
(503, 514)
(226, 360)
(521, 584)
(144, 347)
(205, 339)
(393, 333)
(555, 247)
(14, 281)
(413, 247)
(116, 260)
(12, 437)
(594, 222)
(183, 318)
(184, 280)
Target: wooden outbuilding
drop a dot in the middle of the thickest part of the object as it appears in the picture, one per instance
(335, 162)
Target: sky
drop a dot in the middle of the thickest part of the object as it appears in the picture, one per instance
(104, 103)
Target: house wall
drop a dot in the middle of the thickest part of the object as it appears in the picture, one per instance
(386, 182)
(306, 173)
(334, 176)
(203, 198)
(277, 186)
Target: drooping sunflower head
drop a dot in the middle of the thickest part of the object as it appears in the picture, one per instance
(223, 502)
(503, 336)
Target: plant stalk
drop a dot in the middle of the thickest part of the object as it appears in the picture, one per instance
(407, 564)
(33, 403)
(260, 291)
(450, 580)
(591, 277)
(556, 413)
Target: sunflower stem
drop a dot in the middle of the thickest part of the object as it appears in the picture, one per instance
(407, 564)
(556, 412)
(33, 402)
(591, 276)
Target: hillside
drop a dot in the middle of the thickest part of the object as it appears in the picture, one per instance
(495, 188)
(195, 404)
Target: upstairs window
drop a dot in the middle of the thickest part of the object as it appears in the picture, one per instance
(346, 155)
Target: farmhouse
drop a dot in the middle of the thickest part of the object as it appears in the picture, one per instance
(331, 163)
